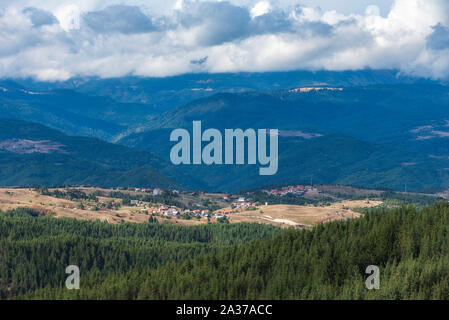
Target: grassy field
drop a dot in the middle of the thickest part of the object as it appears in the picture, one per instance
(303, 216)
(279, 215)
(14, 198)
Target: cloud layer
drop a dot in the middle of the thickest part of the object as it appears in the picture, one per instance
(62, 39)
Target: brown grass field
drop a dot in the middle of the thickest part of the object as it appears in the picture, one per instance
(279, 215)
(303, 216)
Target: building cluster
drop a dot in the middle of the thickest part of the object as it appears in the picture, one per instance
(295, 190)
(175, 211)
(165, 210)
(243, 203)
(155, 191)
(236, 202)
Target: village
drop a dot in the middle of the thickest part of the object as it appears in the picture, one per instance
(229, 203)
(298, 190)
(297, 206)
(233, 203)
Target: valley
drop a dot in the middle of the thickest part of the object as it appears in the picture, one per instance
(320, 205)
(364, 128)
(229, 157)
(86, 178)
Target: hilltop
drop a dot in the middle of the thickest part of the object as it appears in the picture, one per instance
(32, 154)
(375, 136)
(366, 129)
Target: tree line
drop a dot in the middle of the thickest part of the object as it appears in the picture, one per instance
(230, 261)
(35, 249)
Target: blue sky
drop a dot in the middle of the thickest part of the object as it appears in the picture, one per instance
(59, 39)
(351, 6)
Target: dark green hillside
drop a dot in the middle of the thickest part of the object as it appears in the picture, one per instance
(71, 112)
(409, 246)
(35, 250)
(61, 170)
(375, 113)
(169, 92)
(76, 160)
(377, 136)
(90, 149)
(107, 108)
(332, 159)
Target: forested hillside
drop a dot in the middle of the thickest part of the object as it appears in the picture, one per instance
(330, 159)
(410, 246)
(375, 136)
(352, 129)
(162, 94)
(35, 250)
(33, 154)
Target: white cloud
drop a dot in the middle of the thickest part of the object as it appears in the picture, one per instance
(68, 16)
(58, 39)
(260, 8)
(372, 10)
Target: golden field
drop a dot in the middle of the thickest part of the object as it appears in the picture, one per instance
(279, 215)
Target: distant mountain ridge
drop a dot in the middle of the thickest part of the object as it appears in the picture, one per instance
(363, 136)
(174, 91)
(70, 111)
(366, 128)
(112, 108)
(71, 160)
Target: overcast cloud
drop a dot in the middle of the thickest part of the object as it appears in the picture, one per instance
(58, 39)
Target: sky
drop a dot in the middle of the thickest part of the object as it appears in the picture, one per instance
(55, 40)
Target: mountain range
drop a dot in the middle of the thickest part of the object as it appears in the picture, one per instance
(365, 128)
(33, 154)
